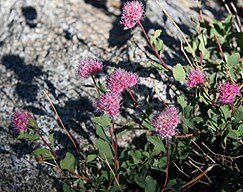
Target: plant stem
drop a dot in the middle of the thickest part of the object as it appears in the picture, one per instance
(60, 120)
(167, 166)
(115, 145)
(44, 141)
(153, 48)
(95, 84)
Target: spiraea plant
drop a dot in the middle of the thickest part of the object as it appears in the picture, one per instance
(193, 145)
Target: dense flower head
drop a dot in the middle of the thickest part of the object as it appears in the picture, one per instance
(110, 103)
(132, 12)
(228, 92)
(195, 77)
(20, 120)
(89, 67)
(120, 80)
(165, 122)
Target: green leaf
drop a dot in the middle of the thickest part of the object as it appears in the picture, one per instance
(44, 153)
(179, 72)
(181, 100)
(136, 155)
(225, 111)
(68, 162)
(175, 184)
(198, 119)
(30, 137)
(32, 123)
(151, 184)
(233, 60)
(240, 129)
(51, 139)
(67, 188)
(158, 144)
(233, 134)
(187, 111)
(159, 44)
(91, 157)
(156, 65)
(104, 120)
(140, 181)
(238, 115)
(104, 149)
(157, 33)
(101, 133)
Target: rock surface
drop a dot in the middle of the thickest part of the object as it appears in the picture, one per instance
(41, 43)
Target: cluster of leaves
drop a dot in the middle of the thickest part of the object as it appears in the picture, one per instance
(143, 168)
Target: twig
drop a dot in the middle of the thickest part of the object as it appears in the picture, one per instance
(60, 120)
(196, 179)
(95, 84)
(156, 53)
(225, 156)
(113, 174)
(178, 28)
(44, 141)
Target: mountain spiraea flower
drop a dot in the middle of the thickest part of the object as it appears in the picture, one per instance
(89, 67)
(228, 92)
(20, 120)
(109, 103)
(132, 12)
(120, 80)
(165, 122)
(195, 78)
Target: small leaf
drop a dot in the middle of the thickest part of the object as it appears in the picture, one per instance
(32, 123)
(158, 144)
(233, 60)
(30, 137)
(140, 181)
(151, 184)
(101, 133)
(104, 149)
(238, 115)
(68, 162)
(51, 139)
(104, 120)
(179, 72)
(44, 153)
(225, 111)
(136, 155)
(181, 100)
(157, 33)
(233, 134)
(198, 119)
(91, 157)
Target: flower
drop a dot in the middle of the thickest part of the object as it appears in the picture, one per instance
(110, 103)
(165, 122)
(20, 120)
(195, 77)
(228, 92)
(132, 12)
(120, 80)
(89, 67)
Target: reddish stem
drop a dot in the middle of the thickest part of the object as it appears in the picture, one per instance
(115, 145)
(153, 48)
(50, 148)
(167, 166)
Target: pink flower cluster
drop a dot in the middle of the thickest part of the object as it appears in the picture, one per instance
(132, 12)
(20, 120)
(120, 80)
(195, 77)
(165, 122)
(89, 67)
(117, 82)
(228, 92)
(109, 102)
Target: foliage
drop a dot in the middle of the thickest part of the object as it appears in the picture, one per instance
(210, 133)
